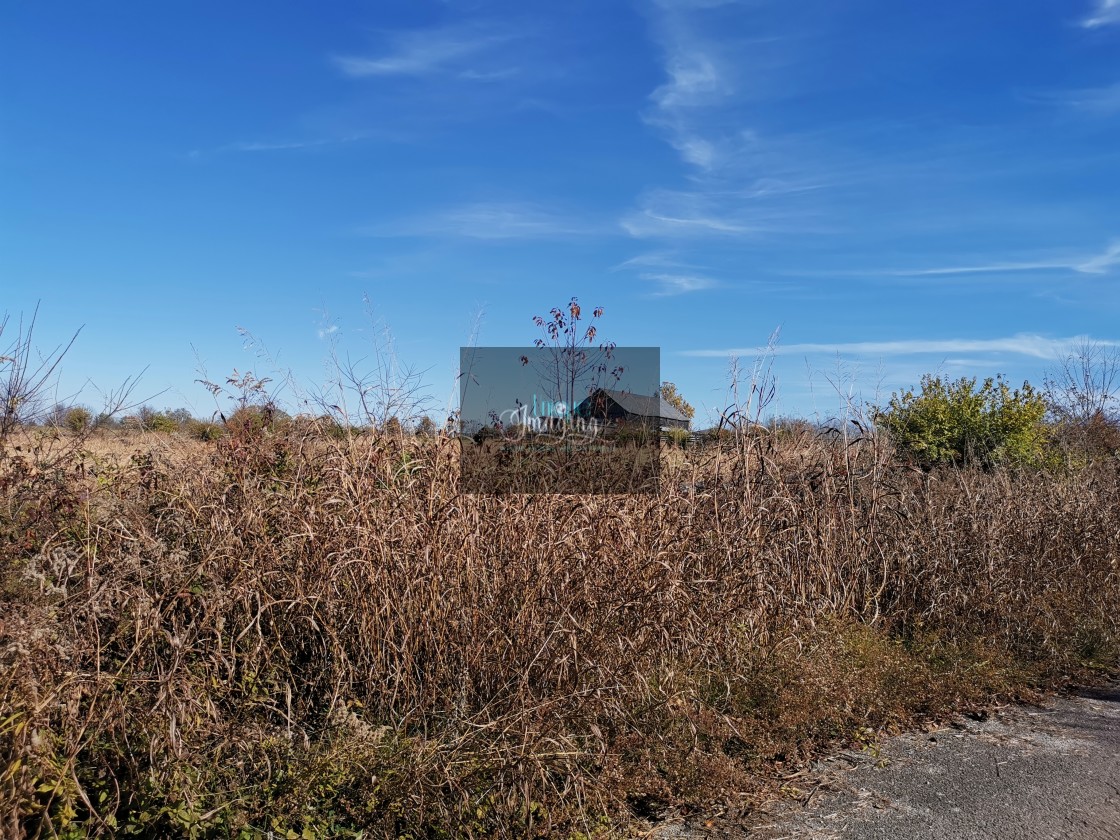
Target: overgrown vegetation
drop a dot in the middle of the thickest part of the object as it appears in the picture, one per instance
(301, 631)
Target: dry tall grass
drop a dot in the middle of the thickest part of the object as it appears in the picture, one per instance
(321, 636)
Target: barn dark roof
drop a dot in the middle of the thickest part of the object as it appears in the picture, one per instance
(645, 406)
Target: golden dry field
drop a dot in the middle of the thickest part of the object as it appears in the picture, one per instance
(321, 635)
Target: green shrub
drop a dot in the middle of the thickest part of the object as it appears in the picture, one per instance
(958, 422)
(162, 423)
(203, 429)
(77, 419)
(155, 421)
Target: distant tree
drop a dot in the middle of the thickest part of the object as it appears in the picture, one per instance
(181, 417)
(670, 395)
(27, 376)
(56, 416)
(1085, 385)
(328, 424)
(426, 427)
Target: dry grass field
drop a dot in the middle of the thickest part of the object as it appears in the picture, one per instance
(288, 634)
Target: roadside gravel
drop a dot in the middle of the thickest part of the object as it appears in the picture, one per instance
(1022, 773)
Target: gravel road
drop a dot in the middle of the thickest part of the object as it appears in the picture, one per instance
(1023, 773)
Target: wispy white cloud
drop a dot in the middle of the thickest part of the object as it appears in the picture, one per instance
(654, 259)
(277, 146)
(695, 150)
(741, 182)
(287, 145)
(991, 268)
(253, 146)
(723, 210)
(426, 52)
(710, 74)
(1100, 263)
(649, 222)
(678, 284)
(490, 75)
(489, 220)
(668, 272)
(1022, 344)
(694, 4)
(1105, 13)
(1098, 101)
(695, 81)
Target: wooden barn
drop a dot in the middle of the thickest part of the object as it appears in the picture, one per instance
(626, 407)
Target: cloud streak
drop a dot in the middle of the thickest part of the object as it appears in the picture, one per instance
(1022, 344)
(265, 146)
(1099, 101)
(1097, 264)
(489, 221)
(654, 260)
(650, 222)
(669, 285)
(428, 52)
(766, 205)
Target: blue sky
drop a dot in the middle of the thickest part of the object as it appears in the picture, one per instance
(901, 187)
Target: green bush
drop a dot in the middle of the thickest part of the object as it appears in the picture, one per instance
(960, 423)
(160, 422)
(203, 429)
(77, 419)
(155, 421)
